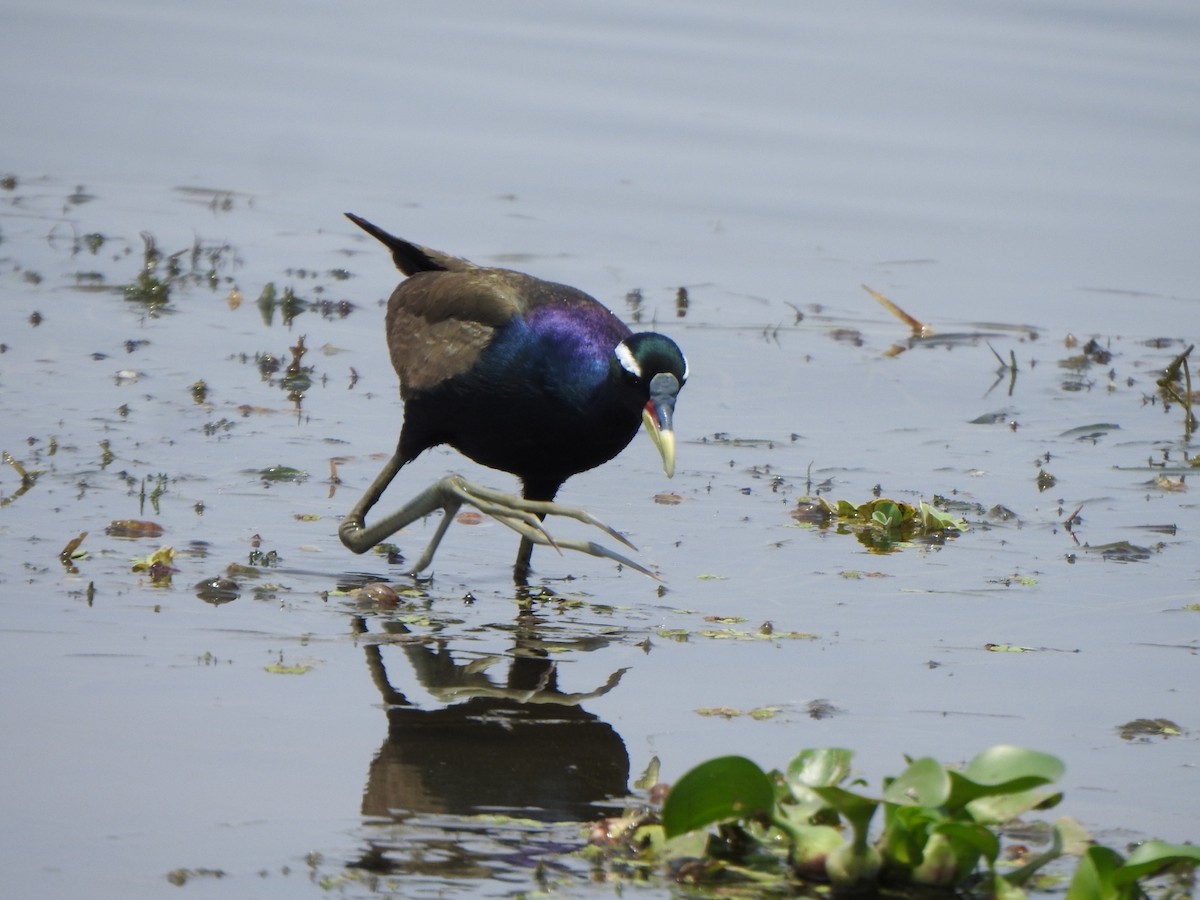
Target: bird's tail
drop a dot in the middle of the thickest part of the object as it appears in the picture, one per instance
(412, 258)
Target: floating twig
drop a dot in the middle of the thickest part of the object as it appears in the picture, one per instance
(1010, 367)
(1071, 521)
(67, 555)
(28, 479)
(919, 328)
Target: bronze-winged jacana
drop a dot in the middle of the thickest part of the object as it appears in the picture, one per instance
(519, 374)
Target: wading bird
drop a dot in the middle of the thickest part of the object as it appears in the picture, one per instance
(519, 374)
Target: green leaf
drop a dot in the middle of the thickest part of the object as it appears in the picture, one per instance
(935, 520)
(924, 783)
(648, 778)
(1005, 763)
(854, 808)
(852, 865)
(728, 787)
(1001, 808)
(951, 855)
(1151, 857)
(905, 834)
(1093, 879)
(982, 841)
(824, 767)
(887, 514)
(813, 844)
(1003, 769)
(1000, 888)
(1018, 877)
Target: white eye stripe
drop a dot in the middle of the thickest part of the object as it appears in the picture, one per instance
(626, 359)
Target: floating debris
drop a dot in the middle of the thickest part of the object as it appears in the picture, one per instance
(134, 528)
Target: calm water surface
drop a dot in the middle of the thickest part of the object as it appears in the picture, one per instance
(1010, 173)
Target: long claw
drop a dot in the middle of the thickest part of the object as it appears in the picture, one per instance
(521, 515)
(525, 518)
(539, 535)
(525, 523)
(591, 547)
(473, 493)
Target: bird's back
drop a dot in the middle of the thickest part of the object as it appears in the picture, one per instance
(511, 370)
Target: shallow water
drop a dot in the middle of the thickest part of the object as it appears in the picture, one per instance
(1011, 174)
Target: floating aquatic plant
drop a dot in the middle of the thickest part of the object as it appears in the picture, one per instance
(881, 524)
(942, 827)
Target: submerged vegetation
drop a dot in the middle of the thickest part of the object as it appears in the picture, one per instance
(1175, 385)
(159, 274)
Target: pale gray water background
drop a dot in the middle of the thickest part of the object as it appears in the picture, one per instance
(1027, 165)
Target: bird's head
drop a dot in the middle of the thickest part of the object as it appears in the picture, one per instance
(654, 365)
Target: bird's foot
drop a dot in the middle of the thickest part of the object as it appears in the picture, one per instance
(525, 518)
(449, 495)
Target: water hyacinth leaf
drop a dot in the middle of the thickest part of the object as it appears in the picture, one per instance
(925, 783)
(1018, 877)
(1151, 857)
(854, 808)
(725, 788)
(982, 840)
(813, 844)
(1004, 764)
(1075, 838)
(998, 887)
(951, 855)
(887, 514)
(853, 865)
(1093, 879)
(847, 510)
(933, 519)
(824, 767)
(907, 832)
(1001, 808)
(1003, 769)
(882, 513)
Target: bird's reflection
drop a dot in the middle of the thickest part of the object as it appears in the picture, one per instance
(505, 740)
